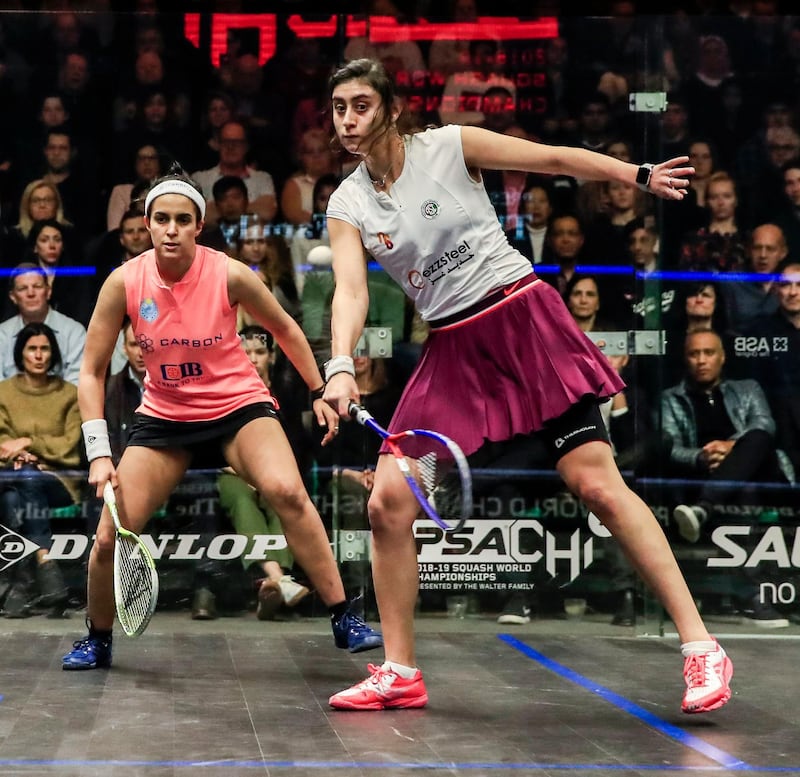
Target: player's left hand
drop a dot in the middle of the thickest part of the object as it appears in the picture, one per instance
(670, 180)
(326, 417)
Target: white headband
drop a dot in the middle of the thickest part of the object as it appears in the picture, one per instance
(174, 186)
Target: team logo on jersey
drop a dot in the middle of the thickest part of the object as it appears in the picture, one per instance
(145, 343)
(429, 209)
(148, 309)
(386, 240)
(416, 280)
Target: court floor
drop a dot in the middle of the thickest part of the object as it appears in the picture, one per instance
(237, 696)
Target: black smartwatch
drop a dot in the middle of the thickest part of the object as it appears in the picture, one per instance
(643, 176)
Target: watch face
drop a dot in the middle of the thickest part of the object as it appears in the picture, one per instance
(643, 175)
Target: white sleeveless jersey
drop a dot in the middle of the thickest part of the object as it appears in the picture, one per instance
(436, 233)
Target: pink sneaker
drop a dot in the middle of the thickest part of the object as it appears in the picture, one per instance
(707, 678)
(382, 690)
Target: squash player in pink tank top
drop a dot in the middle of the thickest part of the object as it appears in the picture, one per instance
(201, 394)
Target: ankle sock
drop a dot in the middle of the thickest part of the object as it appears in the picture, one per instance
(701, 646)
(337, 610)
(406, 672)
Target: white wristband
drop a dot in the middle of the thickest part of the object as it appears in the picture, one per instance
(339, 364)
(95, 438)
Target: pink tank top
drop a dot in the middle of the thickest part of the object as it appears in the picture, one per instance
(196, 367)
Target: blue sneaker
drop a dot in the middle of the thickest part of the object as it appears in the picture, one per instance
(350, 632)
(88, 653)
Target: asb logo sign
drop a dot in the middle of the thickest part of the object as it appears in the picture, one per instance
(13, 547)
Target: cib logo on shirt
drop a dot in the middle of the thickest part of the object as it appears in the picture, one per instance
(180, 371)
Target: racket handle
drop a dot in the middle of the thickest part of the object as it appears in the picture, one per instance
(358, 413)
(108, 494)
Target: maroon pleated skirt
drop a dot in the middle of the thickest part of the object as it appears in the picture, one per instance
(504, 370)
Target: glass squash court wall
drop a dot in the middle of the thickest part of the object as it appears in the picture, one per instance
(540, 76)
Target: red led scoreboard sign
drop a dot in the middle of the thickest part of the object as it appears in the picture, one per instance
(379, 29)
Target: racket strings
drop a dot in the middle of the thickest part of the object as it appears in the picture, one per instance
(439, 477)
(135, 585)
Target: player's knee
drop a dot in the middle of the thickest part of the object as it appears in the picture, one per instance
(286, 499)
(385, 511)
(598, 496)
(103, 547)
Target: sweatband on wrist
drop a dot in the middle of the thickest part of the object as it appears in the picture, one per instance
(95, 438)
(339, 364)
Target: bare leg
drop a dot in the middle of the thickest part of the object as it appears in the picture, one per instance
(591, 474)
(395, 573)
(146, 477)
(261, 455)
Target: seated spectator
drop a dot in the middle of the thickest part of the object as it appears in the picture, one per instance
(219, 109)
(747, 300)
(233, 149)
(723, 434)
(582, 296)
(316, 159)
(30, 293)
(530, 235)
(702, 156)
(767, 195)
(129, 239)
(722, 430)
(565, 237)
(40, 201)
(51, 113)
(147, 166)
(153, 124)
(72, 291)
(252, 516)
(774, 359)
(269, 256)
(231, 203)
(75, 180)
(788, 214)
(605, 233)
(640, 303)
(720, 245)
(40, 433)
(698, 307)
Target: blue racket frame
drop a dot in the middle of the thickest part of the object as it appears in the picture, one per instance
(365, 418)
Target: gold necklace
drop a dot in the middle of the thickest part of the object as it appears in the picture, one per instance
(380, 182)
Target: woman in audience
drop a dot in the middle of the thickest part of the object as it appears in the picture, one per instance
(147, 166)
(71, 287)
(316, 159)
(40, 432)
(720, 245)
(40, 200)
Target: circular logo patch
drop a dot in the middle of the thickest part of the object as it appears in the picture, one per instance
(148, 309)
(430, 209)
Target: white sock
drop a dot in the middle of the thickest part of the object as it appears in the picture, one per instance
(701, 646)
(406, 672)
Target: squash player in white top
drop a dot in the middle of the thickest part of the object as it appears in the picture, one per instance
(503, 358)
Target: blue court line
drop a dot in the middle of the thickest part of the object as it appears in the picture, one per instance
(714, 753)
